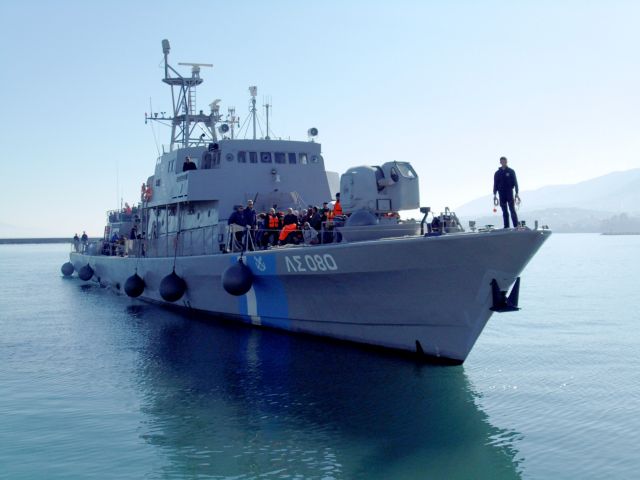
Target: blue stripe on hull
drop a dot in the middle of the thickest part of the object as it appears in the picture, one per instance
(266, 303)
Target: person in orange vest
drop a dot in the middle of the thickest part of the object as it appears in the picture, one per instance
(337, 207)
(272, 226)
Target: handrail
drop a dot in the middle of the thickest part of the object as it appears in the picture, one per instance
(212, 239)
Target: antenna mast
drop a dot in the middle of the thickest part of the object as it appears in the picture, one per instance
(266, 107)
(183, 96)
(253, 91)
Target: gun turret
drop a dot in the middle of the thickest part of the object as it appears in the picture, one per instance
(381, 189)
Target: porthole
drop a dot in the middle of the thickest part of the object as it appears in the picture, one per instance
(229, 157)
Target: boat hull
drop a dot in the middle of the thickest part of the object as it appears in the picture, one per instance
(428, 295)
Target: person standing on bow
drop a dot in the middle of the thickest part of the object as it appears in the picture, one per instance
(504, 182)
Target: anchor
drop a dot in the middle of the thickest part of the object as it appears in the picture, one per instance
(502, 303)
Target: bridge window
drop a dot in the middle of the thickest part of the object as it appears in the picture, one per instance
(303, 159)
(242, 157)
(280, 158)
(253, 157)
(292, 158)
(314, 159)
(265, 157)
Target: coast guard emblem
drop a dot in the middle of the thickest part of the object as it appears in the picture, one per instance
(259, 263)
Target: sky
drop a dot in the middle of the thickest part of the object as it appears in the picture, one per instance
(449, 86)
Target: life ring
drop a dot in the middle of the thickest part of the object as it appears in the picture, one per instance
(148, 194)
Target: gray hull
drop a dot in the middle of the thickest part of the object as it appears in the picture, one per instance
(431, 294)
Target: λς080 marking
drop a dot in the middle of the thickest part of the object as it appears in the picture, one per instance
(310, 263)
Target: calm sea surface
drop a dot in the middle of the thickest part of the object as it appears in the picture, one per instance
(93, 385)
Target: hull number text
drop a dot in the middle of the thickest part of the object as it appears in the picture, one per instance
(310, 263)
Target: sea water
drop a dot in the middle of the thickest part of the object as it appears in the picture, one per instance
(95, 385)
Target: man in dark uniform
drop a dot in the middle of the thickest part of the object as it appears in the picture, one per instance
(237, 224)
(504, 181)
(188, 165)
(250, 220)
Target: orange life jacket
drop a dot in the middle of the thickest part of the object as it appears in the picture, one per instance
(284, 233)
(272, 222)
(337, 208)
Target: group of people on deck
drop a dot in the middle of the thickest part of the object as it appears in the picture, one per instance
(310, 226)
(80, 244)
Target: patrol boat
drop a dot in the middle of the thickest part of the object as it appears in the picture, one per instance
(426, 287)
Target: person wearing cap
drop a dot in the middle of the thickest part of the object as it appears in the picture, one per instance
(237, 217)
(188, 164)
(504, 182)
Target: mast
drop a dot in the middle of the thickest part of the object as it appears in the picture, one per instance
(185, 117)
(231, 120)
(266, 107)
(253, 91)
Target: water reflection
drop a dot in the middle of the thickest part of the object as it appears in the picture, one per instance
(223, 401)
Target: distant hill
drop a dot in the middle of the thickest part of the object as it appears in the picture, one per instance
(570, 220)
(613, 193)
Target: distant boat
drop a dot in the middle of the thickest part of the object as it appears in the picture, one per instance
(426, 288)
